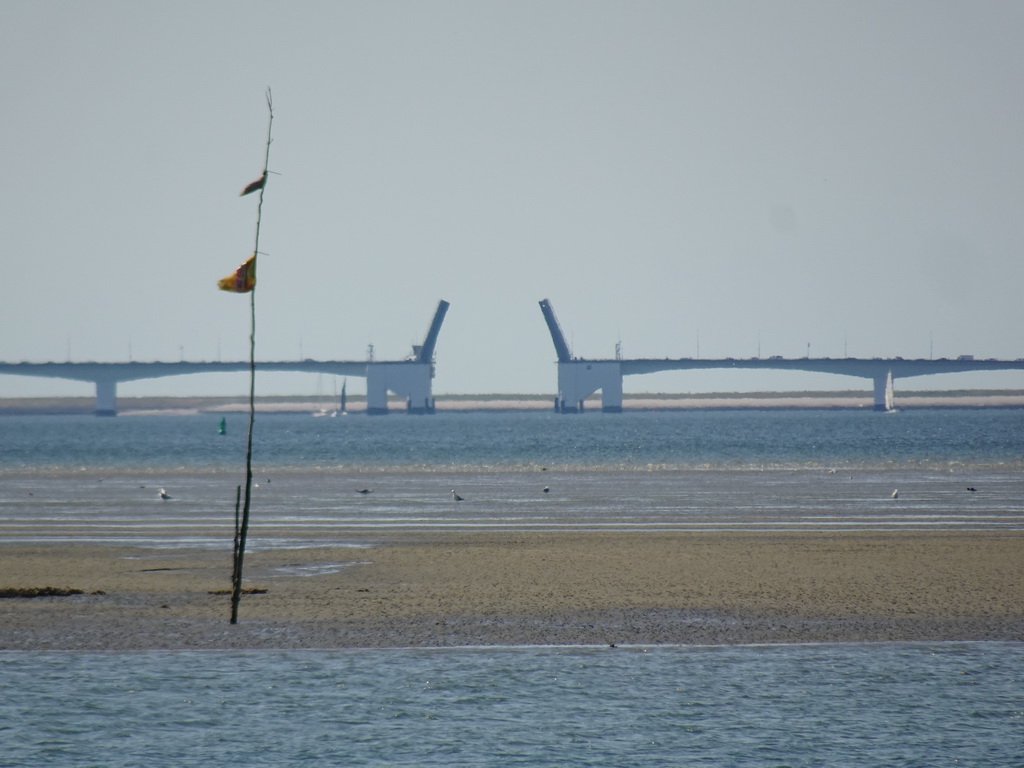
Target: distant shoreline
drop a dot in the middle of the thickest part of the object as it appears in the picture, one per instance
(56, 406)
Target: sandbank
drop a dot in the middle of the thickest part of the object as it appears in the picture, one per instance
(439, 590)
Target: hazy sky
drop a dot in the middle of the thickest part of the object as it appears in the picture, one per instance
(750, 177)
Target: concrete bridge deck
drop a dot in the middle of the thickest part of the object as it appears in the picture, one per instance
(410, 378)
(578, 378)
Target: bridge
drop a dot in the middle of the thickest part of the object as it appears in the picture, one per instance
(579, 377)
(409, 378)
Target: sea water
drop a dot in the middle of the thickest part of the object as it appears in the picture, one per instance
(86, 480)
(695, 439)
(913, 705)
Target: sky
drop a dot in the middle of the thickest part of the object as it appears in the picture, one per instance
(683, 178)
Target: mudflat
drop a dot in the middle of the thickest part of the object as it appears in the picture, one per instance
(435, 590)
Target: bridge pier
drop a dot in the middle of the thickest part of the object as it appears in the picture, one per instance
(106, 397)
(577, 379)
(410, 380)
(884, 393)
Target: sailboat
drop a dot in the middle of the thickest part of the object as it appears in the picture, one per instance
(323, 411)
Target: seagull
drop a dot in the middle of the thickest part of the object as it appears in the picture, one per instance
(456, 497)
(165, 495)
(364, 491)
(896, 493)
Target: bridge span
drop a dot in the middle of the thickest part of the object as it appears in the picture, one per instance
(579, 378)
(410, 378)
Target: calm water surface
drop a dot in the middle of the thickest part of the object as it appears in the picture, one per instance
(692, 439)
(835, 705)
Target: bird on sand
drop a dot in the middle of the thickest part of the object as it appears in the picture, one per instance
(456, 497)
(896, 493)
(165, 495)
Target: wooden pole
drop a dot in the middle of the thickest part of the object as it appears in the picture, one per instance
(243, 527)
(238, 530)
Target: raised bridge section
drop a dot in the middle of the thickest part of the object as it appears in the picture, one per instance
(579, 378)
(410, 379)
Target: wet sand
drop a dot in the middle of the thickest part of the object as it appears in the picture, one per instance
(528, 589)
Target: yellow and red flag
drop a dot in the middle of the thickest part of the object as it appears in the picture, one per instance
(243, 280)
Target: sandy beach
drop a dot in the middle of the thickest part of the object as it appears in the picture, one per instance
(528, 589)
